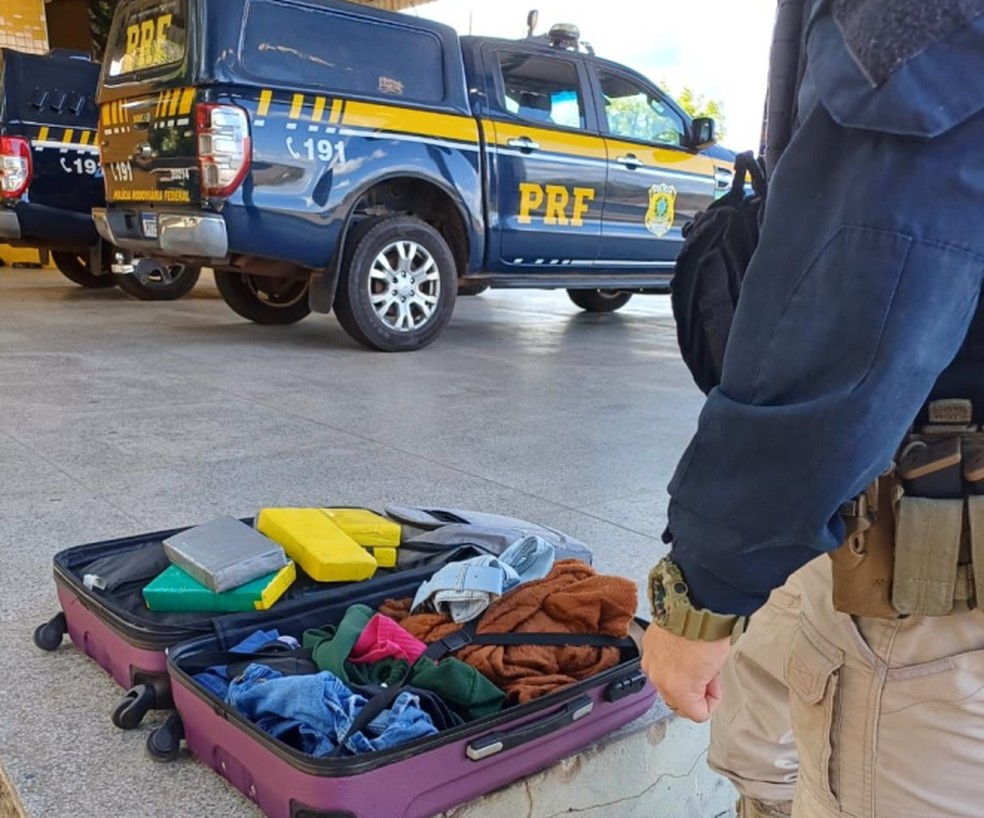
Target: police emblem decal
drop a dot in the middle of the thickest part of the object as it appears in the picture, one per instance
(659, 217)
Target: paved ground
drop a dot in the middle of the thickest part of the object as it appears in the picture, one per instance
(118, 417)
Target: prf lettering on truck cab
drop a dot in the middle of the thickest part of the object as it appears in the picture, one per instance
(555, 204)
(143, 41)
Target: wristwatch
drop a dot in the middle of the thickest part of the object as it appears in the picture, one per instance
(673, 611)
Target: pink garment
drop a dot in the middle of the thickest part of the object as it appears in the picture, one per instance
(384, 638)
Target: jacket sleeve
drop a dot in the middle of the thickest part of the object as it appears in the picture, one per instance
(839, 335)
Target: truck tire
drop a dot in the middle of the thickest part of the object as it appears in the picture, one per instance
(75, 268)
(264, 299)
(398, 284)
(472, 288)
(599, 300)
(165, 281)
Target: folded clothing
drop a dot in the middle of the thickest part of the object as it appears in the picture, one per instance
(465, 589)
(572, 598)
(315, 713)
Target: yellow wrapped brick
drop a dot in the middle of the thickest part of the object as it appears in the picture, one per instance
(314, 542)
(385, 557)
(366, 527)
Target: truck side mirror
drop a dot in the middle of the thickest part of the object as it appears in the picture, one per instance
(703, 133)
(531, 20)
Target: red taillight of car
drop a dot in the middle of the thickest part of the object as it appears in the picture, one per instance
(15, 166)
(224, 148)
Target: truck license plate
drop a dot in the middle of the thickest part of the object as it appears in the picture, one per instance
(149, 225)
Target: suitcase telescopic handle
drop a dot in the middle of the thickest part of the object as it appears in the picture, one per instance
(498, 742)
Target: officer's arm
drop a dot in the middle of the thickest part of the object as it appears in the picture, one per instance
(816, 396)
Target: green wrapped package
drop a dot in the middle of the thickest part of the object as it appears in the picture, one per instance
(176, 590)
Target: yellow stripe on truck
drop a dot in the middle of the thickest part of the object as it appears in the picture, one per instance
(68, 135)
(425, 123)
(336, 111)
(295, 106)
(319, 109)
(175, 99)
(85, 137)
(574, 144)
(266, 97)
(43, 134)
(187, 98)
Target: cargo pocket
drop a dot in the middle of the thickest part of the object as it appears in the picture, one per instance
(930, 731)
(813, 671)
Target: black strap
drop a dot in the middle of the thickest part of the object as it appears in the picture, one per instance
(467, 636)
(218, 658)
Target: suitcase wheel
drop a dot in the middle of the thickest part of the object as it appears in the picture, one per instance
(49, 635)
(164, 743)
(134, 706)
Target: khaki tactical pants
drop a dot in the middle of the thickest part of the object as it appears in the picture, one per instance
(866, 718)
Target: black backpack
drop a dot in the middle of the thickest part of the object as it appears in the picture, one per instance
(718, 244)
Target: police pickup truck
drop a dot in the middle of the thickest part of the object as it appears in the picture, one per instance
(322, 155)
(50, 177)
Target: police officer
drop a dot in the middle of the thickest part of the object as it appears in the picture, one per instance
(864, 283)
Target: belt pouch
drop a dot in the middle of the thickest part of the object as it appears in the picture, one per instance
(927, 547)
(975, 515)
(862, 566)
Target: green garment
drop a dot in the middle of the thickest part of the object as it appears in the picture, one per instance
(465, 691)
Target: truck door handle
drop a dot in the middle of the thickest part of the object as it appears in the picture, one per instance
(524, 143)
(631, 161)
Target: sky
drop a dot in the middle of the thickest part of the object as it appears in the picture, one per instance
(676, 43)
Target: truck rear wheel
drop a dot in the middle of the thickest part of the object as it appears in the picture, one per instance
(599, 300)
(398, 285)
(160, 281)
(75, 267)
(264, 299)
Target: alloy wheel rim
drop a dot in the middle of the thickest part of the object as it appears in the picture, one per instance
(404, 286)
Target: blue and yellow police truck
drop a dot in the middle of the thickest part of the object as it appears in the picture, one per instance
(322, 155)
(50, 178)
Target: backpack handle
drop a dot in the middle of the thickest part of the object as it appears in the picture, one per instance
(747, 167)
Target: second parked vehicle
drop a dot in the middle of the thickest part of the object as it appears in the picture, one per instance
(329, 156)
(50, 178)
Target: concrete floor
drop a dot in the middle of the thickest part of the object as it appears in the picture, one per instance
(118, 417)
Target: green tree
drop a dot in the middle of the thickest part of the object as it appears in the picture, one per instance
(697, 104)
(100, 19)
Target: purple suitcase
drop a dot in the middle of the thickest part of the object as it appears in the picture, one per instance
(129, 642)
(417, 780)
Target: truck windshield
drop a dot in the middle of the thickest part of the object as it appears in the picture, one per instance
(151, 34)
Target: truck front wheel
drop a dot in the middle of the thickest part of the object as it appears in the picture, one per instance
(75, 267)
(599, 300)
(398, 284)
(264, 299)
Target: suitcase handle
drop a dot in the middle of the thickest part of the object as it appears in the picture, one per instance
(495, 743)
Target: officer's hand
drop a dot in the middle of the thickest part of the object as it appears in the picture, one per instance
(685, 671)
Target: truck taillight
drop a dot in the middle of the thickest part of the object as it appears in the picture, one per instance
(224, 148)
(15, 166)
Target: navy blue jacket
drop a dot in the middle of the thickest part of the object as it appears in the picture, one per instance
(865, 281)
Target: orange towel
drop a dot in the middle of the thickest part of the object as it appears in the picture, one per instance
(572, 598)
